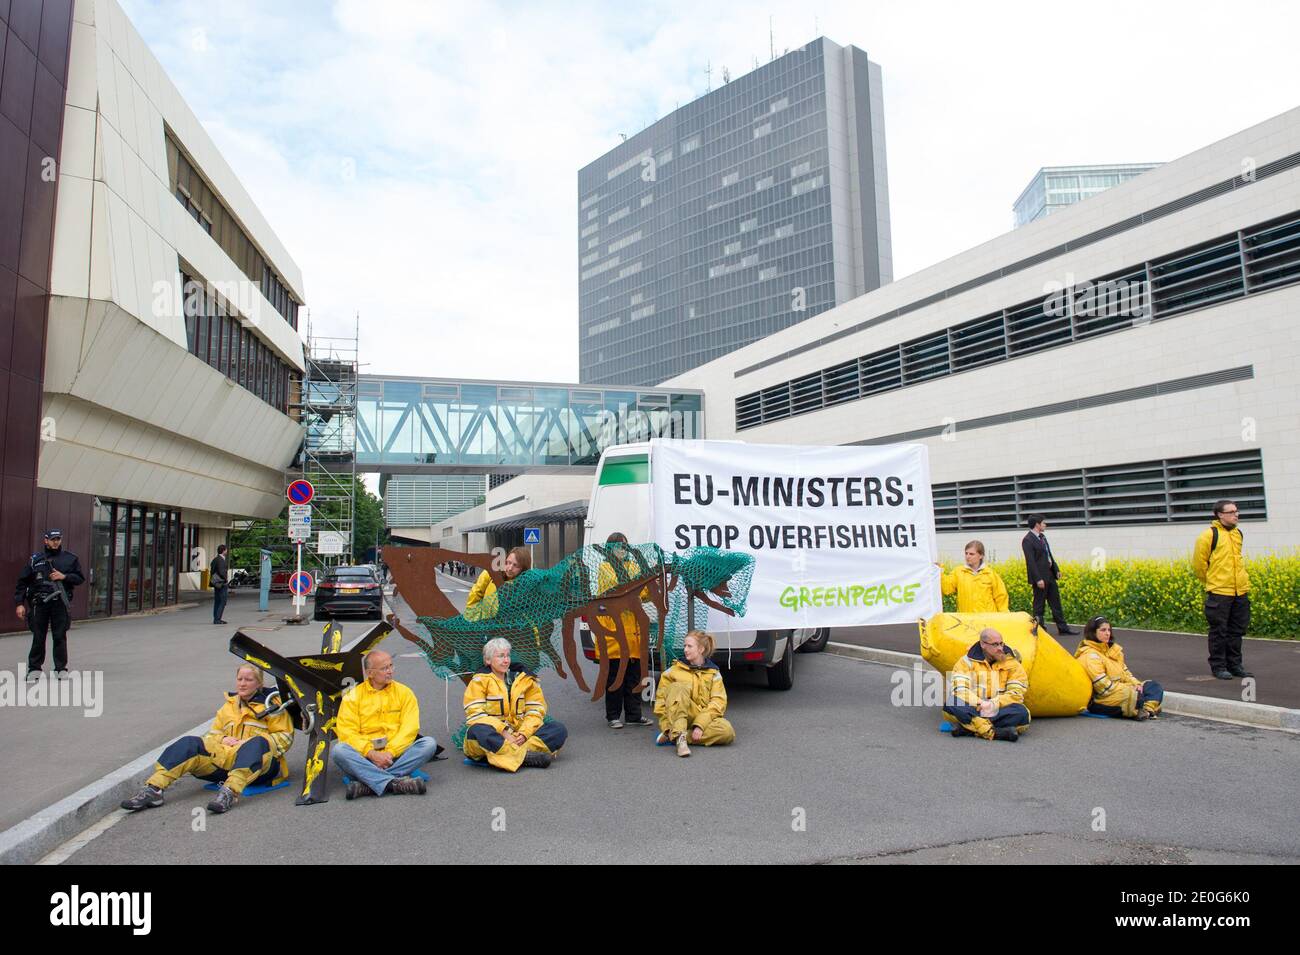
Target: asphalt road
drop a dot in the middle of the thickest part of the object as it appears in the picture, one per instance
(871, 781)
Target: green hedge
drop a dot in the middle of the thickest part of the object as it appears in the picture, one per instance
(1162, 594)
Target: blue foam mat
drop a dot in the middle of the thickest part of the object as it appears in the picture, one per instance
(251, 790)
(418, 774)
(474, 762)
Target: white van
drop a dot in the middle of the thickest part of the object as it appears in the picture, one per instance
(620, 501)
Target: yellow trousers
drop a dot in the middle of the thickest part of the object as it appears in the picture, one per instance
(679, 713)
(485, 741)
(233, 766)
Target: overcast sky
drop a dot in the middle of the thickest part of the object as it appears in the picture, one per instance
(419, 160)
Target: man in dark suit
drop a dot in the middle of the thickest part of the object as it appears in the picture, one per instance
(1043, 572)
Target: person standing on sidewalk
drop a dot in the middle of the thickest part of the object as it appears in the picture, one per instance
(219, 579)
(46, 585)
(978, 586)
(1043, 573)
(1218, 564)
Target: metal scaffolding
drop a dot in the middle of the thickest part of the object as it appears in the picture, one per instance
(327, 406)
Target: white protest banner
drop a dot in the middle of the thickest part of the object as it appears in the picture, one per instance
(842, 536)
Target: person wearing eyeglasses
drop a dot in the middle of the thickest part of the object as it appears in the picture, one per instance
(379, 743)
(987, 690)
(1219, 565)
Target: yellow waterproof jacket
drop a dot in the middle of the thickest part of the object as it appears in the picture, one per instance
(244, 721)
(1222, 571)
(975, 678)
(978, 591)
(483, 588)
(1112, 681)
(606, 580)
(708, 693)
(519, 705)
(367, 714)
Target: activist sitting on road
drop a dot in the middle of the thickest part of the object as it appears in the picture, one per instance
(379, 743)
(978, 587)
(243, 746)
(1115, 690)
(691, 699)
(987, 690)
(505, 714)
(625, 701)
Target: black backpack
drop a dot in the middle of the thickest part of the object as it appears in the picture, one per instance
(1214, 537)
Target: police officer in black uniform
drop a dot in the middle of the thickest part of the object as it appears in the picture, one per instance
(44, 595)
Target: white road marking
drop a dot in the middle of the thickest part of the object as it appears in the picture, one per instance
(82, 839)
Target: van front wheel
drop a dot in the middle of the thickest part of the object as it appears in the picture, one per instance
(780, 676)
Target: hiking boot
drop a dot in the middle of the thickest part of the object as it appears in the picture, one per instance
(616, 724)
(149, 797)
(1007, 734)
(1223, 674)
(683, 748)
(222, 801)
(537, 759)
(407, 786)
(1240, 672)
(358, 790)
(959, 730)
(1144, 714)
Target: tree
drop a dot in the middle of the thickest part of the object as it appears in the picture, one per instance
(367, 522)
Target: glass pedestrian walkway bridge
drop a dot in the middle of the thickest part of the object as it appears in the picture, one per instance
(439, 425)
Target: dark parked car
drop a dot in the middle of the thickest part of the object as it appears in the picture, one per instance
(349, 590)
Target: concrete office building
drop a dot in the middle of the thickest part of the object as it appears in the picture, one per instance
(1162, 378)
(1055, 187)
(414, 500)
(148, 315)
(759, 205)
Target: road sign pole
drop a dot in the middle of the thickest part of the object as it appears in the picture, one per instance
(297, 598)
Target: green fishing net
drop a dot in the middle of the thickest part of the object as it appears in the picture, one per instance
(528, 611)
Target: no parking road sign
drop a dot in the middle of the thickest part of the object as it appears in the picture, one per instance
(532, 535)
(300, 492)
(301, 583)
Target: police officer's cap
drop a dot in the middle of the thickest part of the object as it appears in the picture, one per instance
(54, 534)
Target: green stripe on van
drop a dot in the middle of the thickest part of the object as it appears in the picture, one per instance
(632, 470)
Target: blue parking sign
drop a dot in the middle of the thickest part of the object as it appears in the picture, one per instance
(532, 535)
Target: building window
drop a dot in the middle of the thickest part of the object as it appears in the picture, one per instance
(198, 198)
(1174, 490)
(1205, 275)
(227, 345)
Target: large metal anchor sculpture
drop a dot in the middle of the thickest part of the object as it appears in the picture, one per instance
(312, 687)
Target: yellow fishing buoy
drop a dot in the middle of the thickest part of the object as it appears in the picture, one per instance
(1058, 685)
